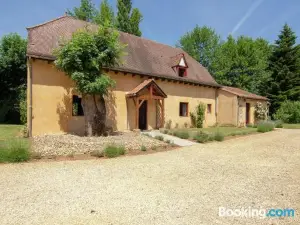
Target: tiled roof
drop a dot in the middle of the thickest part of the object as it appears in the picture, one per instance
(143, 85)
(143, 56)
(242, 93)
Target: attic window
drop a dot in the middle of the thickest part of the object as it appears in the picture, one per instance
(182, 72)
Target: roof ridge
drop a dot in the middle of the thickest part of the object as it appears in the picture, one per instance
(49, 21)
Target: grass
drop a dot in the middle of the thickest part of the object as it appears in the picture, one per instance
(12, 147)
(182, 134)
(291, 126)
(211, 131)
(219, 136)
(113, 151)
(9, 131)
(14, 150)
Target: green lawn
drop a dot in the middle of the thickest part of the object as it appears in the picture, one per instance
(9, 131)
(291, 126)
(227, 131)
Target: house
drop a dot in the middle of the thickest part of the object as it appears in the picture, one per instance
(155, 84)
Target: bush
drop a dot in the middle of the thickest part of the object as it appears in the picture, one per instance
(219, 136)
(97, 153)
(182, 135)
(200, 111)
(201, 137)
(278, 124)
(261, 111)
(143, 148)
(289, 112)
(113, 151)
(14, 150)
(165, 131)
(159, 137)
(23, 104)
(193, 119)
(265, 126)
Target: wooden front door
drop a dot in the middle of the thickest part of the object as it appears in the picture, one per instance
(247, 113)
(143, 116)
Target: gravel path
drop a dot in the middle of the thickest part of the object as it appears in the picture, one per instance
(185, 186)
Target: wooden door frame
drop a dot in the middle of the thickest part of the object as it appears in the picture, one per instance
(248, 109)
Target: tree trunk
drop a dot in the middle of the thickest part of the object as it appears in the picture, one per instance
(95, 115)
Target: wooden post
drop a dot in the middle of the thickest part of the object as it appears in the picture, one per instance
(137, 113)
(151, 92)
(163, 113)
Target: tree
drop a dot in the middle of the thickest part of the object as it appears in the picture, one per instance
(12, 75)
(128, 19)
(105, 14)
(201, 43)
(242, 63)
(135, 19)
(83, 59)
(285, 69)
(86, 11)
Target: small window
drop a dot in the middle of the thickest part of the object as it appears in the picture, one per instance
(209, 108)
(77, 109)
(182, 72)
(183, 109)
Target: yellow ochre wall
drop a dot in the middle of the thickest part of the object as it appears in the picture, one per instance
(52, 102)
(232, 109)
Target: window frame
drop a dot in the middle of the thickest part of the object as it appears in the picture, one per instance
(209, 109)
(187, 109)
(80, 111)
(184, 69)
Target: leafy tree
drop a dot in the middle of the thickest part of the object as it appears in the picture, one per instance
(289, 112)
(201, 43)
(86, 11)
(285, 69)
(123, 16)
(242, 63)
(128, 19)
(105, 15)
(83, 59)
(135, 19)
(12, 75)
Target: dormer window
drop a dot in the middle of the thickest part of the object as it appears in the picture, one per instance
(182, 72)
(179, 65)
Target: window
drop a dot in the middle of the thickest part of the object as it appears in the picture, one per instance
(183, 109)
(77, 109)
(182, 72)
(209, 108)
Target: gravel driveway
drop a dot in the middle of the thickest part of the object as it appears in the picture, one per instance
(185, 186)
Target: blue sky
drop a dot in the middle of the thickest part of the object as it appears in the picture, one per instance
(166, 20)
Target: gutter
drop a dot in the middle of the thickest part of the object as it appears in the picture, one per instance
(29, 97)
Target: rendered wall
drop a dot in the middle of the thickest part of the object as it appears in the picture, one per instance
(52, 102)
(227, 105)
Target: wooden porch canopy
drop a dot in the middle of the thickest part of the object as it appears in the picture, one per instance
(148, 90)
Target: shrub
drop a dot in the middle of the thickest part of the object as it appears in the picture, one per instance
(14, 150)
(143, 148)
(23, 104)
(168, 124)
(165, 131)
(97, 153)
(159, 137)
(200, 111)
(265, 126)
(201, 137)
(289, 112)
(182, 135)
(219, 136)
(278, 124)
(193, 119)
(168, 141)
(113, 151)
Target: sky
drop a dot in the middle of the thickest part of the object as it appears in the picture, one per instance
(166, 21)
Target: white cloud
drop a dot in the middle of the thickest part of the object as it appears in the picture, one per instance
(250, 11)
